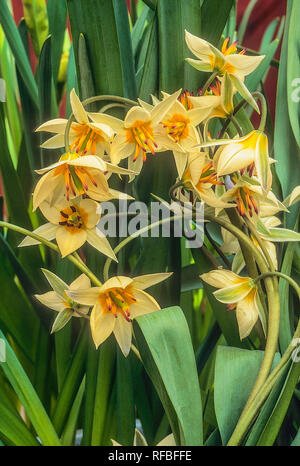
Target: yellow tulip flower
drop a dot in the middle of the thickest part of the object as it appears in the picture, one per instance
(118, 301)
(72, 224)
(60, 302)
(237, 292)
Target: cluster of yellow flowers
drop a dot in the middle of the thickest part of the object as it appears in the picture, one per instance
(237, 174)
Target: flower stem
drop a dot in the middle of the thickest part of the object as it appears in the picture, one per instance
(75, 260)
(208, 82)
(133, 236)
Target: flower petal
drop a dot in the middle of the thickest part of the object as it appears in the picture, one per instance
(55, 142)
(58, 125)
(233, 294)
(46, 184)
(58, 285)
(199, 47)
(80, 283)
(116, 282)
(145, 281)
(87, 297)
(46, 231)
(181, 161)
(221, 278)
(247, 314)
(145, 303)
(99, 241)
(115, 123)
(136, 113)
(102, 325)
(123, 333)
(51, 300)
(77, 108)
(69, 242)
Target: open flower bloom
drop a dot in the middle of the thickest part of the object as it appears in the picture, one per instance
(200, 177)
(73, 176)
(140, 441)
(177, 131)
(135, 135)
(86, 135)
(237, 154)
(116, 303)
(248, 196)
(237, 292)
(218, 99)
(72, 224)
(237, 65)
(60, 302)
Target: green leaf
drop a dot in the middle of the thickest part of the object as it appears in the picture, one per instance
(28, 397)
(13, 427)
(214, 16)
(125, 401)
(174, 16)
(35, 13)
(57, 14)
(126, 51)
(16, 45)
(71, 424)
(286, 148)
(245, 20)
(235, 373)
(96, 21)
(281, 234)
(275, 421)
(169, 365)
(74, 376)
(147, 68)
(137, 30)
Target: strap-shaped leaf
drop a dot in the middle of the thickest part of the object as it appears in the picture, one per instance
(28, 397)
(16, 45)
(165, 346)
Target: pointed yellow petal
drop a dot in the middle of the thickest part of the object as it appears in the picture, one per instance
(144, 304)
(221, 278)
(145, 281)
(115, 123)
(262, 160)
(77, 108)
(69, 242)
(244, 64)
(87, 297)
(91, 161)
(58, 285)
(168, 441)
(55, 142)
(58, 125)
(80, 283)
(123, 333)
(247, 314)
(45, 186)
(233, 294)
(199, 47)
(181, 161)
(160, 110)
(46, 231)
(136, 114)
(102, 325)
(116, 282)
(51, 300)
(99, 241)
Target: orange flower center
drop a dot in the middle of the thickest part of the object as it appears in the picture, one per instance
(245, 202)
(177, 127)
(74, 177)
(118, 301)
(86, 139)
(185, 101)
(141, 134)
(73, 219)
(208, 175)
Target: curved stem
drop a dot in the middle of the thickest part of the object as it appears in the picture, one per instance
(97, 98)
(77, 262)
(236, 125)
(133, 236)
(281, 275)
(208, 82)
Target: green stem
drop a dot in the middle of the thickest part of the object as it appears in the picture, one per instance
(208, 82)
(97, 98)
(131, 237)
(76, 261)
(236, 125)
